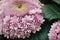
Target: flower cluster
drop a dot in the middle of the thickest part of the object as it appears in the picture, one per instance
(18, 18)
(55, 31)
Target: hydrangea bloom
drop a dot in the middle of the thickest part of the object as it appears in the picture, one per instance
(55, 31)
(18, 18)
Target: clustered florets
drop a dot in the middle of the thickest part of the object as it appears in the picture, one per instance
(55, 31)
(17, 24)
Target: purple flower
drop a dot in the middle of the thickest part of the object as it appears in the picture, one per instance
(55, 31)
(18, 18)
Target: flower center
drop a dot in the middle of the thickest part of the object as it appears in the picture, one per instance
(20, 6)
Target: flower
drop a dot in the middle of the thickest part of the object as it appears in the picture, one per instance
(18, 18)
(55, 31)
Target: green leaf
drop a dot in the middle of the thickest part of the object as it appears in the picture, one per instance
(51, 11)
(43, 1)
(1, 38)
(57, 1)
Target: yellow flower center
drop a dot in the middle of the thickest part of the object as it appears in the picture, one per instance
(20, 6)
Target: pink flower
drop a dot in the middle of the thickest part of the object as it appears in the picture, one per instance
(55, 31)
(18, 18)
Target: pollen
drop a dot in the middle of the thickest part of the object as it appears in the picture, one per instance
(20, 6)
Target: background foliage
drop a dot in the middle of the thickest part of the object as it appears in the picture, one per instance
(51, 10)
